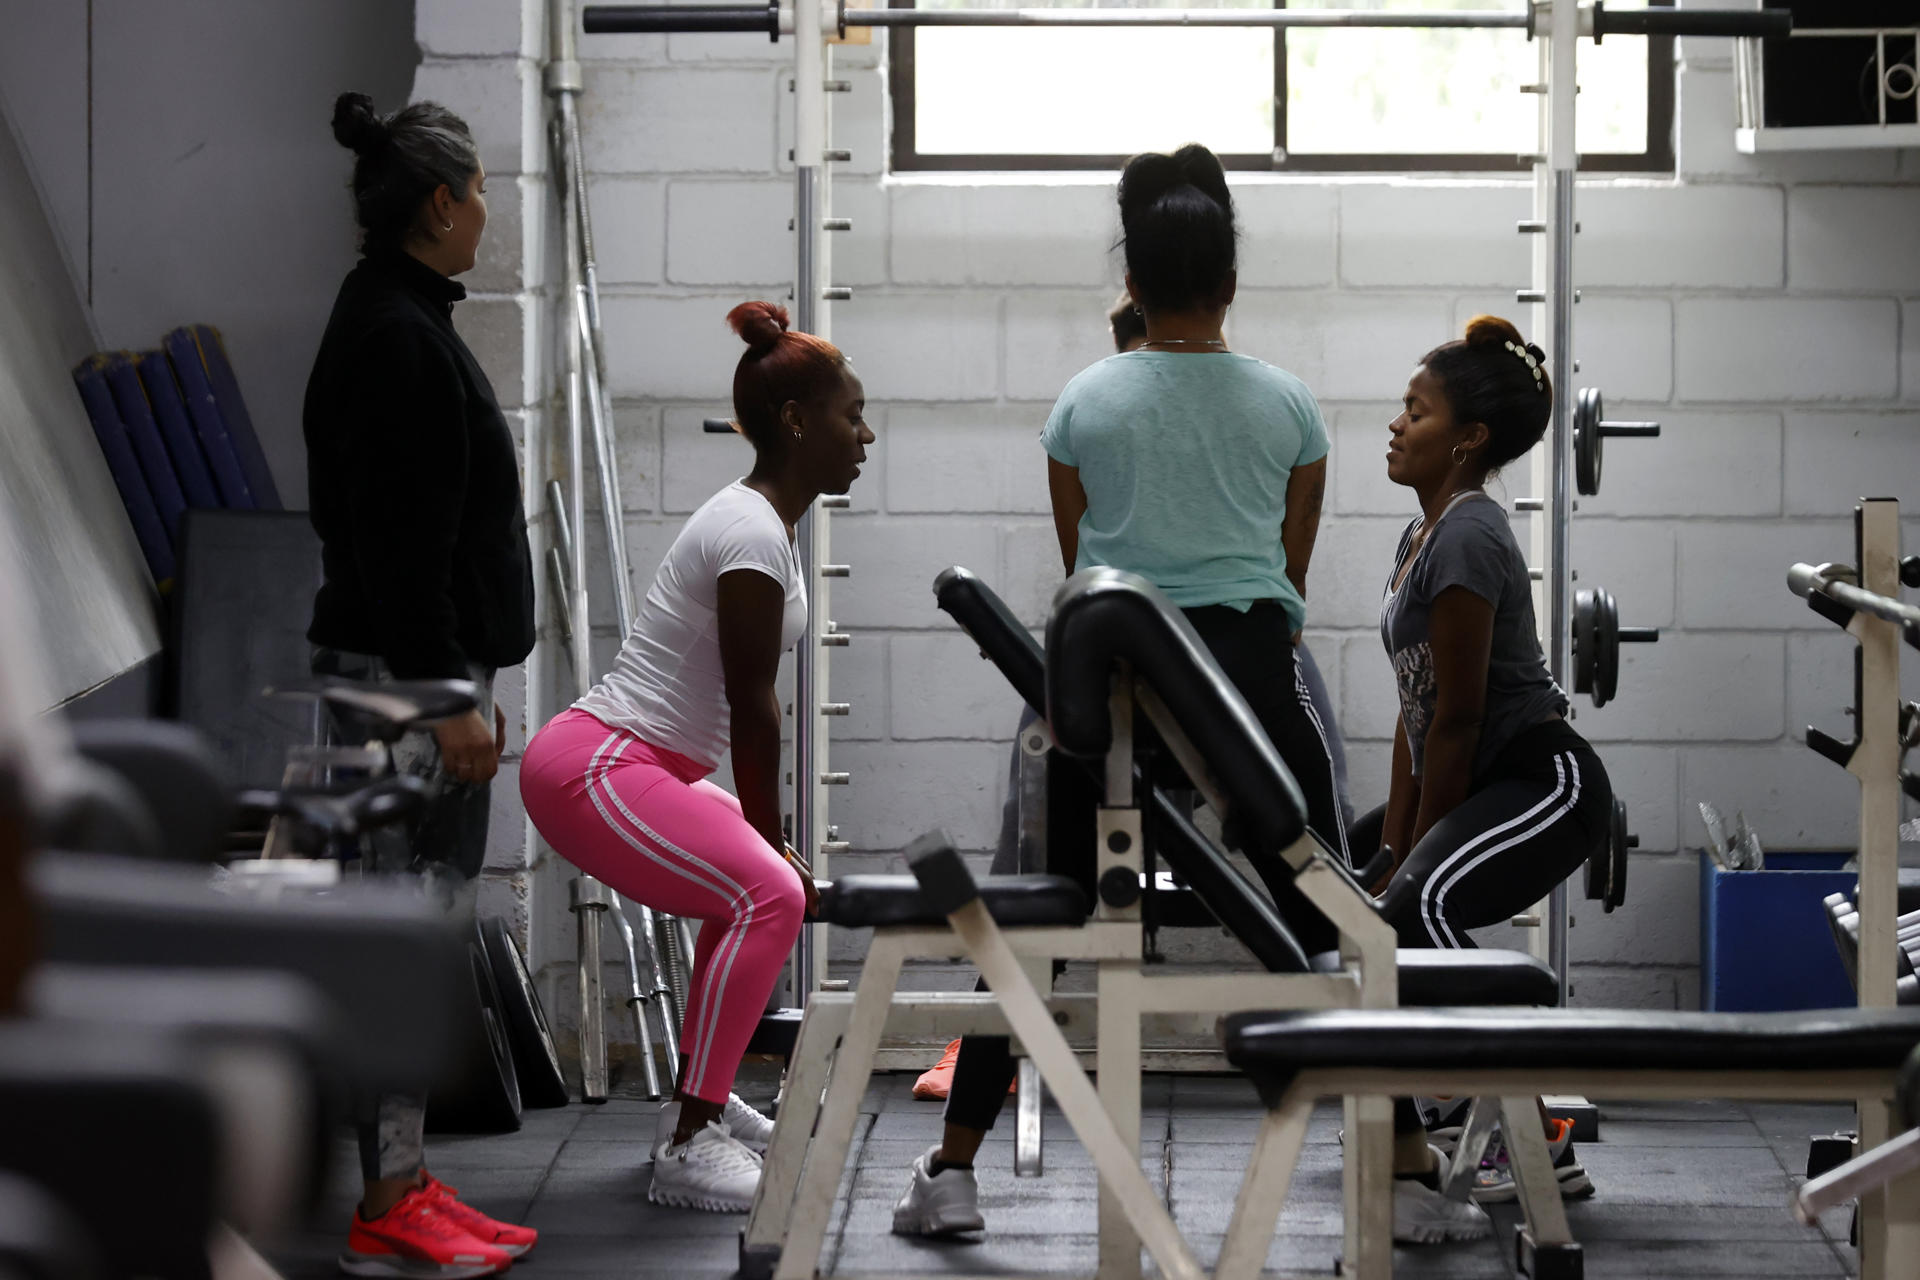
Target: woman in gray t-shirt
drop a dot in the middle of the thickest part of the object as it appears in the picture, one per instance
(1494, 799)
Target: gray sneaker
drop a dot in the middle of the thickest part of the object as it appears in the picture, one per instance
(942, 1205)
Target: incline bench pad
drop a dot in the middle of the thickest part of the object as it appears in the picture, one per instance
(1437, 978)
(880, 902)
(1272, 1046)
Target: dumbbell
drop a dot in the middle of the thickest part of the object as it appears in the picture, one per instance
(1590, 427)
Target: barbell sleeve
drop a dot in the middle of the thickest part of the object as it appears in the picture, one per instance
(1689, 22)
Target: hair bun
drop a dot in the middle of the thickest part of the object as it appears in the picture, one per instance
(356, 125)
(759, 324)
(1492, 331)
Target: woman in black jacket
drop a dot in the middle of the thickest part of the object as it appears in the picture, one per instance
(414, 487)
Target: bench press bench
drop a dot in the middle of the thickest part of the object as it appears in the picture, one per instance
(1044, 918)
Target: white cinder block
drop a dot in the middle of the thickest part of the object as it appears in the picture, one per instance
(497, 331)
(1633, 559)
(1733, 575)
(1345, 347)
(1854, 239)
(729, 46)
(1792, 798)
(506, 843)
(966, 458)
(694, 465)
(1004, 233)
(1592, 986)
(1029, 570)
(1706, 149)
(897, 795)
(670, 348)
(629, 229)
(464, 29)
(1407, 235)
(859, 256)
(943, 688)
(1659, 923)
(1663, 236)
(1799, 349)
(1693, 688)
(858, 124)
(636, 450)
(1835, 459)
(731, 233)
(503, 262)
(1648, 780)
(1910, 349)
(1323, 650)
(1369, 697)
(1623, 345)
(1288, 233)
(648, 538)
(1348, 574)
(894, 562)
(1702, 464)
(648, 120)
(1051, 337)
(501, 102)
(1358, 464)
(859, 679)
(920, 346)
(1369, 774)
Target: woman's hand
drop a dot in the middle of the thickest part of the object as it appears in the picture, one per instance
(468, 750)
(807, 886)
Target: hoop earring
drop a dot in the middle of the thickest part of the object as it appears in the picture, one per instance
(1457, 459)
(796, 435)
(447, 227)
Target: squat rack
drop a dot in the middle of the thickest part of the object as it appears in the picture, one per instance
(1558, 25)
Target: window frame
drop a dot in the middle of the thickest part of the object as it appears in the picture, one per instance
(1657, 157)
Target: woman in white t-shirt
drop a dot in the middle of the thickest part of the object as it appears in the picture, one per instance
(618, 783)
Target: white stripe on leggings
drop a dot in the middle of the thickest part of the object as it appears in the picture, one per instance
(1326, 745)
(1433, 893)
(720, 885)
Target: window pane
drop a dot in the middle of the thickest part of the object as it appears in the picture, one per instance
(1091, 90)
(1371, 92)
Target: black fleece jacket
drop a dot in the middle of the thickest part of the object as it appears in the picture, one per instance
(414, 483)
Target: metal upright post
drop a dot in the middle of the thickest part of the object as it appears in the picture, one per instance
(811, 315)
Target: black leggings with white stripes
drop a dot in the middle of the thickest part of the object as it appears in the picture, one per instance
(1531, 819)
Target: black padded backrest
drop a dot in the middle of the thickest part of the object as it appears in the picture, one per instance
(985, 617)
(1245, 912)
(1101, 616)
(175, 772)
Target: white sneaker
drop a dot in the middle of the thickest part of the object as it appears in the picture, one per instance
(1421, 1215)
(749, 1128)
(708, 1171)
(941, 1205)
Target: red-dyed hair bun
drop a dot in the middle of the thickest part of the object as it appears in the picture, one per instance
(780, 365)
(759, 324)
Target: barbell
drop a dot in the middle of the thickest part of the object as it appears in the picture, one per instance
(1590, 427)
(1597, 637)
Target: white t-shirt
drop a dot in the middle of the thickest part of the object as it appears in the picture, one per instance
(667, 686)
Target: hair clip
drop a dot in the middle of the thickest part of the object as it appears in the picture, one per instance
(1533, 365)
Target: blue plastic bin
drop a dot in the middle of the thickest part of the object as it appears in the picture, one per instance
(1764, 940)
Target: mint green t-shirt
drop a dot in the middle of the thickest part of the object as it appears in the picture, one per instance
(1185, 460)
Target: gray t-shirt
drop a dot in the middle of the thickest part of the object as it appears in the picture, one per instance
(1471, 546)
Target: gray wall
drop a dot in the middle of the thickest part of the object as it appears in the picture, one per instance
(184, 153)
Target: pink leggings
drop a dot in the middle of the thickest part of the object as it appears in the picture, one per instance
(645, 821)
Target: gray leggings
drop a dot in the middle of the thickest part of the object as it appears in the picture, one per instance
(439, 858)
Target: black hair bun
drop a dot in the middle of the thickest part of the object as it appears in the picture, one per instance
(356, 125)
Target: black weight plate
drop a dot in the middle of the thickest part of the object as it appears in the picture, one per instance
(483, 1094)
(535, 1060)
(1587, 413)
(1606, 647)
(1618, 843)
(1583, 614)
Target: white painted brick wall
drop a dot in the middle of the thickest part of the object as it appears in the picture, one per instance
(1765, 309)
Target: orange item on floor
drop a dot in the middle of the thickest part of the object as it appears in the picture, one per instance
(936, 1082)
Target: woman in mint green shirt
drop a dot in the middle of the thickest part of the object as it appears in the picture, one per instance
(1200, 469)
